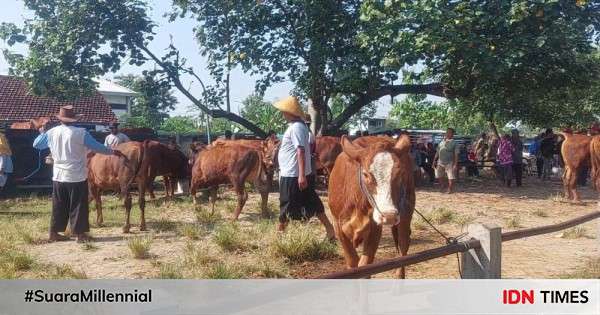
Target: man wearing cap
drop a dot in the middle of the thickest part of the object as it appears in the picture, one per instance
(115, 137)
(68, 145)
(6, 165)
(297, 196)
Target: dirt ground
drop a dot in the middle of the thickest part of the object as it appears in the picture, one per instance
(477, 200)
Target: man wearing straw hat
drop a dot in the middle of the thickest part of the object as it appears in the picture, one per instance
(297, 196)
(68, 145)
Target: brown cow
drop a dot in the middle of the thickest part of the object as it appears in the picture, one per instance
(166, 161)
(575, 151)
(109, 172)
(371, 186)
(595, 161)
(327, 150)
(230, 164)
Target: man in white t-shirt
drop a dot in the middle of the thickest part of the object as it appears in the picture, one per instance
(115, 137)
(68, 146)
(298, 199)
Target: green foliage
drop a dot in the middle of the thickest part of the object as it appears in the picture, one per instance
(179, 125)
(263, 114)
(339, 103)
(416, 112)
(71, 42)
(154, 98)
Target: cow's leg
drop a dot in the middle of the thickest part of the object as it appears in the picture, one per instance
(127, 213)
(242, 198)
(213, 191)
(150, 187)
(264, 189)
(97, 195)
(193, 188)
(142, 202)
(350, 254)
(370, 245)
(403, 230)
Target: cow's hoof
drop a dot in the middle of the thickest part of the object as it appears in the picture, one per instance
(126, 229)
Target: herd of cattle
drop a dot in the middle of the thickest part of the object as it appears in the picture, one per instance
(371, 180)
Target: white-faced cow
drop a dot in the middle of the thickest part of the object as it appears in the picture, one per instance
(372, 185)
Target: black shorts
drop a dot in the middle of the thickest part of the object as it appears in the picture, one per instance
(295, 204)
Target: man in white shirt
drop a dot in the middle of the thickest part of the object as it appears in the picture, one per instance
(297, 196)
(68, 146)
(115, 137)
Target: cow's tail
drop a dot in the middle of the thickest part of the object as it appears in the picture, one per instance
(595, 161)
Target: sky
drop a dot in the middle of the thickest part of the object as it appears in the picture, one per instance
(181, 32)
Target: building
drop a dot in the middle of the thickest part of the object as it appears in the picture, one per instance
(118, 97)
(18, 105)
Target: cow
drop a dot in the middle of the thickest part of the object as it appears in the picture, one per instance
(327, 150)
(234, 165)
(109, 172)
(575, 152)
(372, 185)
(595, 161)
(166, 161)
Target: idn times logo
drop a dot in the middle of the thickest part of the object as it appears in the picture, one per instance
(515, 296)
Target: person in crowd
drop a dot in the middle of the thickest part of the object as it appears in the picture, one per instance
(547, 150)
(472, 161)
(446, 160)
(534, 150)
(505, 159)
(115, 137)
(297, 196)
(227, 135)
(68, 146)
(517, 156)
(431, 152)
(480, 148)
(6, 163)
(426, 161)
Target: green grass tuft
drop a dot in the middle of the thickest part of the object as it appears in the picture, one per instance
(140, 246)
(300, 244)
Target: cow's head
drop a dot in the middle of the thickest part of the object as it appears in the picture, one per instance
(269, 150)
(386, 171)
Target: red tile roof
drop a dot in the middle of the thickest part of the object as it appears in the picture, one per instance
(17, 104)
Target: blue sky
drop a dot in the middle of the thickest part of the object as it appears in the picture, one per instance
(181, 31)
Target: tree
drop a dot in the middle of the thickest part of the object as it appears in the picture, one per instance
(179, 125)
(154, 98)
(339, 103)
(499, 57)
(415, 112)
(263, 114)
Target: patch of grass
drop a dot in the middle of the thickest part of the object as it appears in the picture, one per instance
(513, 222)
(13, 260)
(299, 244)
(89, 245)
(442, 216)
(190, 231)
(222, 270)
(463, 219)
(228, 237)
(540, 213)
(195, 258)
(27, 236)
(164, 225)
(418, 224)
(63, 272)
(169, 271)
(590, 271)
(140, 246)
(575, 232)
(205, 217)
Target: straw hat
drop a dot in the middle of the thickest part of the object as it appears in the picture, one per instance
(67, 114)
(290, 105)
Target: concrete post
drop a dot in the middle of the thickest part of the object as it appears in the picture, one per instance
(485, 262)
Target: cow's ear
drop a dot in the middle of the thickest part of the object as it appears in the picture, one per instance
(353, 151)
(402, 145)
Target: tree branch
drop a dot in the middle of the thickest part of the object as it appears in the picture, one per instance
(364, 99)
(173, 74)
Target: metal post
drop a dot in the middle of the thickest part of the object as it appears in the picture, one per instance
(483, 262)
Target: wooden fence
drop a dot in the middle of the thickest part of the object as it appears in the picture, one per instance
(481, 254)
